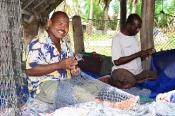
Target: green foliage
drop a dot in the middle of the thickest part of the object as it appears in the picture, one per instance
(99, 24)
(139, 8)
(164, 11)
(97, 8)
(129, 7)
(115, 6)
(113, 24)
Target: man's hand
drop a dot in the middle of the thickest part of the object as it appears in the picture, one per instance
(147, 52)
(75, 72)
(68, 63)
(143, 53)
(151, 50)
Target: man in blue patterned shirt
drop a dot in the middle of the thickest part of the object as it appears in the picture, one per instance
(49, 59)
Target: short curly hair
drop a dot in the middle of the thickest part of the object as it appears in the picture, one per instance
(131, 18)
(58, 13)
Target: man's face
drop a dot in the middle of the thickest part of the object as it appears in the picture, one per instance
(135, 27)
(59, 26)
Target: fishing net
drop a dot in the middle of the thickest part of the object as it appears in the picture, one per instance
(85, 88)
(11, 75)
(78, 97)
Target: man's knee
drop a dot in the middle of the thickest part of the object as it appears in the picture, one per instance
(150, 74)
(124, 76)
(48, 90)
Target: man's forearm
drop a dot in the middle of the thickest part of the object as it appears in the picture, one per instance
(126, 59)
(41, 70)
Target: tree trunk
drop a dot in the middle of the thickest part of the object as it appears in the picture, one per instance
(174, 19)
(77, 34)
(122, 14)
(118, 20)
(133, 6)
(90, 26)
(146, 33)
(106, 20)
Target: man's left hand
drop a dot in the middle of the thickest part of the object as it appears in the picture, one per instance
(75, 72)
(151, 50)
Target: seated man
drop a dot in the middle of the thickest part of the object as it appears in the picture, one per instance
(49, 59)
(126, 56)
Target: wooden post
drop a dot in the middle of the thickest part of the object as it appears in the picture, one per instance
(122, 14)
(146, 32)
(30, 30)
(77, 34)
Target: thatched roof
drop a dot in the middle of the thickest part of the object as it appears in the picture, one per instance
(41, 8)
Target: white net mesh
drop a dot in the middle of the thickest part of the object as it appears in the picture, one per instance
(78, 97)
(85, 88)
(94, 109)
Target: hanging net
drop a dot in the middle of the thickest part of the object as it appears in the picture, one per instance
(11, 75)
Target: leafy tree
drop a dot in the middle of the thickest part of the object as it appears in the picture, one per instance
(139, 8)
(98, 8)
(116, 6)
(71, 7)
(98, 14)
(106, 8)
(134, 5)
(164, 11)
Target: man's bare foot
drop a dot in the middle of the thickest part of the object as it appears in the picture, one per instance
(104, 78)
(119, 84)
(139, 81)
(126, 104)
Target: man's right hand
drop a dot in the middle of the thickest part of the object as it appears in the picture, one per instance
(143, 53)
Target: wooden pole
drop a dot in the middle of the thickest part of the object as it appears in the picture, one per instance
(146, 32)
(123, 14)
(77, 34)
(30, 30)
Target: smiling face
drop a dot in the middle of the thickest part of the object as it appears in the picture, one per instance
(58, 26)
